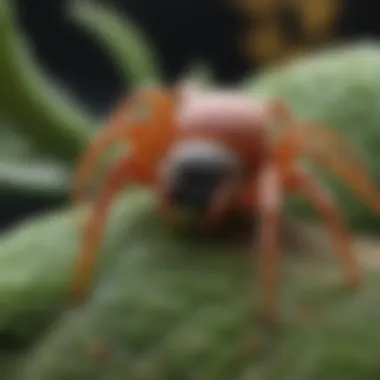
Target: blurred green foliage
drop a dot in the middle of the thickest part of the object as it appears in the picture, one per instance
(168, 307)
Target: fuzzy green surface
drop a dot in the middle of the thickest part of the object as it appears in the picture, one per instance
(341, 89)
(37, 259)
(172, 308)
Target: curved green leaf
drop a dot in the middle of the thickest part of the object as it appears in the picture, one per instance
(125, 43)
(34, 177)
(31, 102)
(26, 172)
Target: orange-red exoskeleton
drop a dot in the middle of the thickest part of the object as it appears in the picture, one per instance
(211, 151)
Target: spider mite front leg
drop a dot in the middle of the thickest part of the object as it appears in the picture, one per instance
(124, 171)
(321, 200)
(269, 198)
(127, 127)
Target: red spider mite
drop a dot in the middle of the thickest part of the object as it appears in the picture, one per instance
(212, 150)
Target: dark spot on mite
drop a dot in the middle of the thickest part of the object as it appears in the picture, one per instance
(194, 169)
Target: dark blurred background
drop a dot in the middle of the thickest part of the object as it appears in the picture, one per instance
(234, 37)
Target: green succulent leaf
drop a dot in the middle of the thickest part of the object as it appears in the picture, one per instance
(166, 306)
(341, 89)
(35, 178)
(24, 171)
(123, 40)
(31, 102)
(37, 258)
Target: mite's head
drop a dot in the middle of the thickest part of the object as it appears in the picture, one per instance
(193, 170)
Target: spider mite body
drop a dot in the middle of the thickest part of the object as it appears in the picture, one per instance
(210, 151)
(219, 148)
